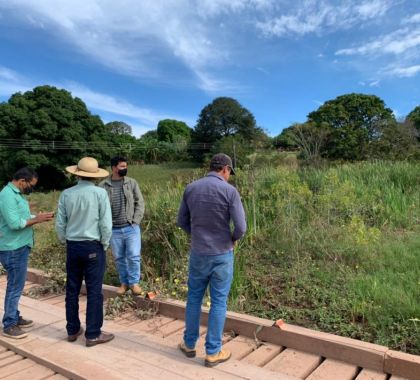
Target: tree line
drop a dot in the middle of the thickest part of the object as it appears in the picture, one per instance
(47, 128)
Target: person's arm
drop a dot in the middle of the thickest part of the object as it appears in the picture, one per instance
(138, 203)
(237, 214)
(105, 219)
(61, 220)
(184, 216)
(15, 222)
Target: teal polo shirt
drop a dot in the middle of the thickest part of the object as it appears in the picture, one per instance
(14, 213)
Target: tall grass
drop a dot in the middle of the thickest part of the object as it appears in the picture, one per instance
(333, 248)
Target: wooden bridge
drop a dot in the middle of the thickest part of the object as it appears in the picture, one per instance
(147, 349)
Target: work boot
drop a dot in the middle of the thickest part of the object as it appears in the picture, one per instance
(73, 337)
(220, 357)
(14, 332)
(189, 352)
(103, 338)
(22, 323)
(122, 289)
(136, 289)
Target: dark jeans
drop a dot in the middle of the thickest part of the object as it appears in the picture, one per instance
(16, 264)
(85, 259)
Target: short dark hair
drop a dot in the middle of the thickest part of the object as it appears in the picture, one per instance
(26, 173)
(116, 160)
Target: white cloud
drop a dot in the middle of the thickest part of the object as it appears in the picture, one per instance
(143, 117)
(412, 19)
(405, 71)
(313, 16)
(137, 38)
(12, 82)
(394, 43)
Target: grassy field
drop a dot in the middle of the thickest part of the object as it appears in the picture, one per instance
(335, 249)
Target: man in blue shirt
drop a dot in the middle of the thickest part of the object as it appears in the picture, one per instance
(207, 208)
(16, 242)
(84, 222)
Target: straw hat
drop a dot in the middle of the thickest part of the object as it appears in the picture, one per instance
(87, 167)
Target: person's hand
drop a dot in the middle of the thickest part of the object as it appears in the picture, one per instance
(44, 217)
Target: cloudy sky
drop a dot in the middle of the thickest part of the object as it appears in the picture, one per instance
(143, 61)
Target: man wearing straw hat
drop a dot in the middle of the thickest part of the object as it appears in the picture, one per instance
(84, 223)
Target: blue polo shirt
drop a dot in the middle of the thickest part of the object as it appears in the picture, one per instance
(14, 213)
(207, 208)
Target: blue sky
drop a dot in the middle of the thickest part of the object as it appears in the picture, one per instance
(143, 61)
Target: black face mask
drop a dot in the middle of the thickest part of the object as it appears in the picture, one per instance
(122, 172)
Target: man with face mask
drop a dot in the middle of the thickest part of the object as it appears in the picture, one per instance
(16, 242)
(127, 207)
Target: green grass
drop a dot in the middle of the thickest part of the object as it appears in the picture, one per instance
(333, 248)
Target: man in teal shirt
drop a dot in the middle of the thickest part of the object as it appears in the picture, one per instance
(16, 241)
(84, 223)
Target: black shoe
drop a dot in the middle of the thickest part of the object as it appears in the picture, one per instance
(73, 337)
(14, 332)
(23, 323)
(103, 338)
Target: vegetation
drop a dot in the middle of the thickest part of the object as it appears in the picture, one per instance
(333, 248)
(331, 245)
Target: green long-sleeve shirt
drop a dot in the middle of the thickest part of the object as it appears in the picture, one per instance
(14, 213)
(84, 213)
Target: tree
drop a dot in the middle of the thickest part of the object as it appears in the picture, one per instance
(398, 142)
(48, 129)
(170, 130)
(119, 128)
(222, 118)
(353, 120)
(285, 140)
(310, 138)
(414, 117)
(122, 138)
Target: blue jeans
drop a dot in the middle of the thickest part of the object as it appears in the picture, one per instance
(16, 264)
(85, 259)
(215, 271)
(126, 246)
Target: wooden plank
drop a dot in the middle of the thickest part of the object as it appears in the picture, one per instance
(55, 300)
(10, 360)
(151, 325)
(249, 371)
(16, 367)
(6, 354)
(57, 376)
(294, 363)
(3, 349)
(170, 328)
(35, 372)
(240, 346)
(369, 374)
(401, 378)
(331, 369)
(263, 354)
(402, 364)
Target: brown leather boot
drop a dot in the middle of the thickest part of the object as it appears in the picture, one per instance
(136, 289)
(122, 289)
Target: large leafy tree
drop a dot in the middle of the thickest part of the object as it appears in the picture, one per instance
(224, 117)
(123, 142)
(48, 129)
(171, 131)
(354, 121)
(414, 118)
